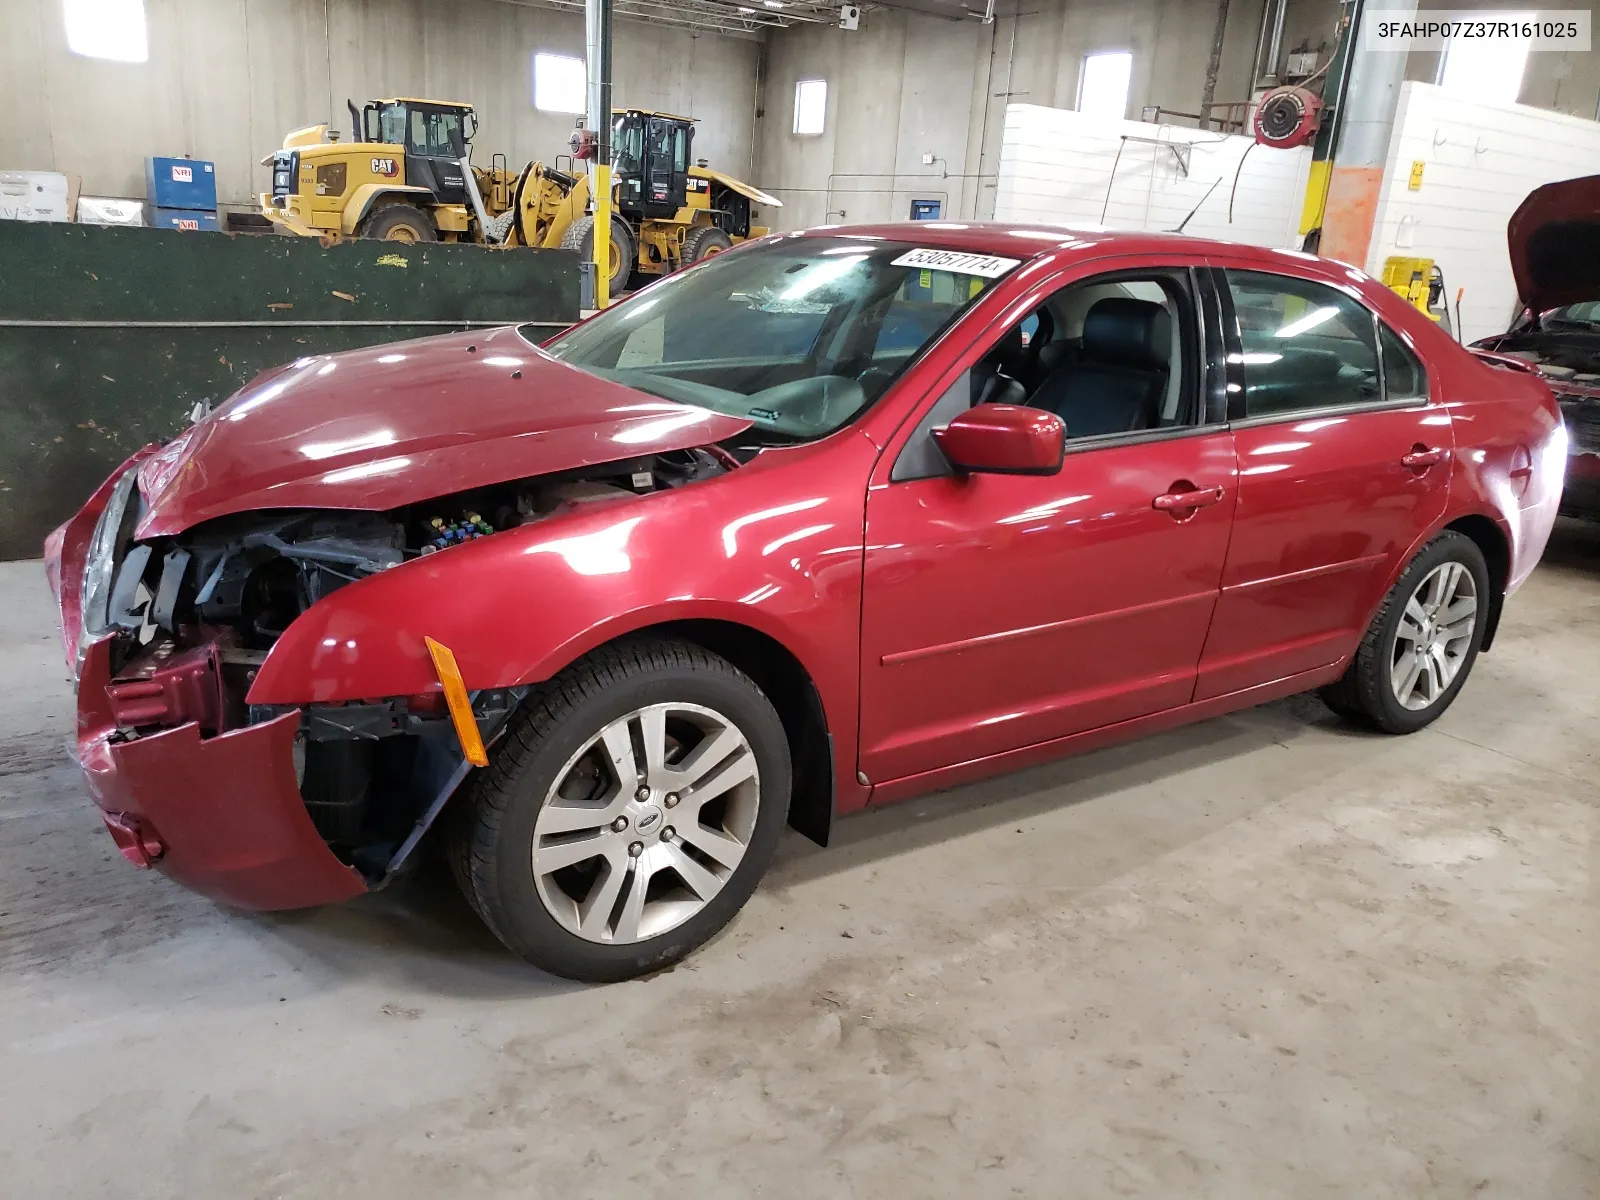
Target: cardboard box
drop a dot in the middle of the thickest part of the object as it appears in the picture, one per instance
(34, 196)
(101, 210)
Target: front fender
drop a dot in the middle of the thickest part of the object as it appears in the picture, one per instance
(775, 547)
(367, 195)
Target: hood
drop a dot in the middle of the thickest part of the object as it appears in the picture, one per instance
(394, 424)
(1554, 239)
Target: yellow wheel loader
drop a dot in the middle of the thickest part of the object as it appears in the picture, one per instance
(408, 177)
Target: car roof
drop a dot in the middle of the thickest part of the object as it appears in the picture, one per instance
(1030, 240)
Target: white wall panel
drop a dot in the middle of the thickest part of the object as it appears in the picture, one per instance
(1058, 165)
(1479, 162)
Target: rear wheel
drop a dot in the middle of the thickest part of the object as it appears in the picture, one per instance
(703, 241)
(628, 814)
(1421, 645)
(399, 223)
(580, 237)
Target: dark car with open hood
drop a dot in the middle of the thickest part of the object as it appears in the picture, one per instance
(823, 522)
(1554, 240)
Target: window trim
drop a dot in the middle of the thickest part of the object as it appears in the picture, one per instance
(1238, 418)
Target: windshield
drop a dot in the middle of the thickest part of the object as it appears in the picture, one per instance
(1584, 316)
(799, 336)
(627, 143)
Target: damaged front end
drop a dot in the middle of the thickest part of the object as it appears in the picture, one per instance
(279, 806)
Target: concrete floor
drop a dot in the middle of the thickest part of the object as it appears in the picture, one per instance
(1263, 956)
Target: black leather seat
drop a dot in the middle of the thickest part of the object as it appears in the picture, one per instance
(1120, 377)
(997, 378)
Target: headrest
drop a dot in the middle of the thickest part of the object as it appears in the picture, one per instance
(1128, 333)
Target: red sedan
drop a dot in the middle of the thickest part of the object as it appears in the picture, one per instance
(826, 521)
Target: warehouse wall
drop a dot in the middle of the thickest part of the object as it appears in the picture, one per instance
(904, 85)
(227, 79)
(1479, 162)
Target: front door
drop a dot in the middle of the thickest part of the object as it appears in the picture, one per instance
(1344, 463)
(1001, 611)
(435, 145)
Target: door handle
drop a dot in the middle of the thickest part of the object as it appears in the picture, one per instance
(1192, 498)
(1421, 457)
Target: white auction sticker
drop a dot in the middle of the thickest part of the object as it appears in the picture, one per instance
(986, 265)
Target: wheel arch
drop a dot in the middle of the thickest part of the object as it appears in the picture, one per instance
(369, 195)
(785, 680)
(1491, 539)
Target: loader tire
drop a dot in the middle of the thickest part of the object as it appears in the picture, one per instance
(704, 241)
(580, 237)
(399, 222)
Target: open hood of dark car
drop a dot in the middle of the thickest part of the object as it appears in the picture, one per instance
(1554, 239)
(395, 424)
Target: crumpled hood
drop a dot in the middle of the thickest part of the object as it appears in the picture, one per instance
(394, 424)
(1554, 239)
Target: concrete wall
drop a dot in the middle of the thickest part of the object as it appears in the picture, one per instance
(905, 85)
(227, 79)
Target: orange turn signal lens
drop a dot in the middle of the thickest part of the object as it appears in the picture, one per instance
(455, 698)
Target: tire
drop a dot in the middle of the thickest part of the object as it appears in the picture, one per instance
(704, 241)
(399, 222)
(580, 237)
(558, 917)
(1370, 690)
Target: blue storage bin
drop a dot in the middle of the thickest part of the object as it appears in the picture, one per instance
(182, 218)
(181, 183)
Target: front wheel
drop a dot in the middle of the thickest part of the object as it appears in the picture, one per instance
(1421, 645)
(628, 814)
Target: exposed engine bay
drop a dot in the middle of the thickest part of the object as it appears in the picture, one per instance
(193, 617)
(1570, 364)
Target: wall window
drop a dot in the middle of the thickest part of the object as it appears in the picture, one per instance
(560, 83)
(810, 106)
(1480, 69)
(110, 29)
(1306, 345)
(1103, 84)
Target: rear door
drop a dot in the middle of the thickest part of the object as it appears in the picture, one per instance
(1344, 463)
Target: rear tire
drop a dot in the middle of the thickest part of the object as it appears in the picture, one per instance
(399, 223)
(580, 237)
(1421, 645)
(704, 241)
(576, 846)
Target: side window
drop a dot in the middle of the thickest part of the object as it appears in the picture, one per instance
(1403, 375)
(1107, 356)
(1305, 345)
(1110, 355)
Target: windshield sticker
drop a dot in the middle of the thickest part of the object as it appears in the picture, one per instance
(986, 265)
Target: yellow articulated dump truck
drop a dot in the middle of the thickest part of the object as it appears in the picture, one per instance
(407, 176)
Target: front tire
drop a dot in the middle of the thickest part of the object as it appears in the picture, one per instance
(580, 237)
(704, 241)
(628, 813)
(1421, 645)
(399, 223)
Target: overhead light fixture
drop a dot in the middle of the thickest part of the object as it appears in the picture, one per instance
(775, 3)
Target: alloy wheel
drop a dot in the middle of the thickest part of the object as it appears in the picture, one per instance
(1434, 636)
(646, 823)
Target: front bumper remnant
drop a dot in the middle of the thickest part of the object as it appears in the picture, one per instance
(222, 815)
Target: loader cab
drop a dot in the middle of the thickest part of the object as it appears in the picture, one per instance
(436, 135)
(650, 162)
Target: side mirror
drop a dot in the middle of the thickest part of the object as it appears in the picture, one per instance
(1004, 439)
